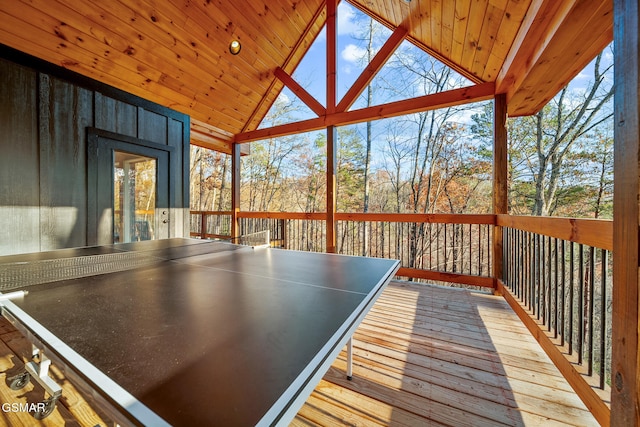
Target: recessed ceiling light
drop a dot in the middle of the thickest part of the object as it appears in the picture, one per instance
(234, 47)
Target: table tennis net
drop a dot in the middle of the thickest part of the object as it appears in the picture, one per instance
(17, 275)
(257, 239)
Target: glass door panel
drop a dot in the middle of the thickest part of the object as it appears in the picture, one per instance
(134, 193)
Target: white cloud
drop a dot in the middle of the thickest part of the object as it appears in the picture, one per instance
(353, 53)
(346, 24)
(283, 98)
(346, 19)
(582, 75)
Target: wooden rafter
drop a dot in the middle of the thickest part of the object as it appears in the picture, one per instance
(467, 95)
(372, 69)
(300, 92)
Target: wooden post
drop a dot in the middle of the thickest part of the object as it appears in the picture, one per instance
(500, 196)
(284, 235)
(625, 392)
(203, 225)
(235, 191)
(332, 135)
(332, 57)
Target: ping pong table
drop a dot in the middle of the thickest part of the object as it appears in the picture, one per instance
(188, 332)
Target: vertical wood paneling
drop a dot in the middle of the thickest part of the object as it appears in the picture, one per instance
(152, 126)
(115, 116)
(19, 212)
(65, 111)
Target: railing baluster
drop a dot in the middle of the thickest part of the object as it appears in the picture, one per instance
(562, 293)
(603, 318)
(571, 294)
(549, 277)
(591, 296)
(581, 304)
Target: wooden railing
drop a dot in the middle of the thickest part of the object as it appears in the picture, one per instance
(435, 247)
(558, 278)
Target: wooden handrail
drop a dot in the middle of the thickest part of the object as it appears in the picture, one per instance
(597, 233)
(210, 212)
(592, 232)
(317, 216)
(419, 218)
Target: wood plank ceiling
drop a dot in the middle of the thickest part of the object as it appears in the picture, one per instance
(175, 52)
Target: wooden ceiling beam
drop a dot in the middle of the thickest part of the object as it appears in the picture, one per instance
(300, 92)
(378, 61)
(467, 95)
(536, 32)
(207, 136)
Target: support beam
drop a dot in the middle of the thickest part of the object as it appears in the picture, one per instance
(300, 92)
(332, 57)
(625, 389)
(466, 95)
(332, 166)
(332, 132)
(500, 184)
(235, 190)
(372, 69)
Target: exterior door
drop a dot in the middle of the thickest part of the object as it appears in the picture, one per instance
(131, 200)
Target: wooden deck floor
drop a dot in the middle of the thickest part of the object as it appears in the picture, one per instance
(431, 356)
(424, 356)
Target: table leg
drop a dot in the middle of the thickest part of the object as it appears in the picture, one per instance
(350, 359)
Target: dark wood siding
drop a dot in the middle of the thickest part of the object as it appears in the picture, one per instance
(116, 116)
(64, 113)
(44, 116)
(19, 199)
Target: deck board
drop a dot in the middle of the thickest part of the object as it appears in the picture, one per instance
(451, 357)
(424, 355)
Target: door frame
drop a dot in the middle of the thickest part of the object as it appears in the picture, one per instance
(101, 145)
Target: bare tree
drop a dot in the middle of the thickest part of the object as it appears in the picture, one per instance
(559, 125)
